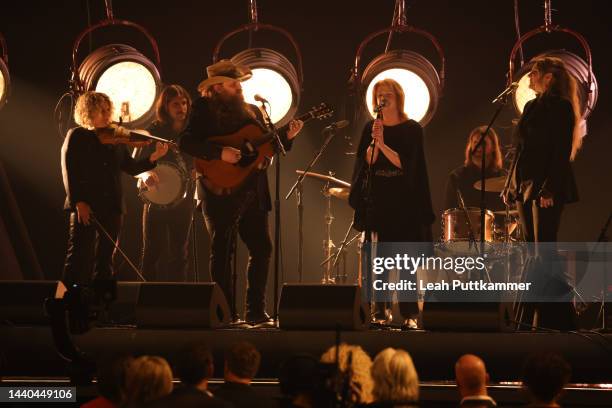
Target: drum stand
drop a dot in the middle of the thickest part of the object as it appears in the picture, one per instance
(335, 257)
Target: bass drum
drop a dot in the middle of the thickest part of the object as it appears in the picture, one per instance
(171, 189)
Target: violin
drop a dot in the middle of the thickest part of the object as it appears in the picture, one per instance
(116, 134)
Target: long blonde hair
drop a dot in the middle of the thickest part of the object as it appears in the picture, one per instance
(87, 105)
(361, 364)
(563, 84)
(497, 162)
(397, 90)
(394, 376)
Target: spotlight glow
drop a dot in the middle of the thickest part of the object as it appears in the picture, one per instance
(130, 82)
(1, 85)
(272, 86)
(523, 93)
(417, 100)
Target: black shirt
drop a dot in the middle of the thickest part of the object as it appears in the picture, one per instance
(241, 395)
(92, 171)
(203, 125)
(542, 164)
(399, 196)
(189, 397)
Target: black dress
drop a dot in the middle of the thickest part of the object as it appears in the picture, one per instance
(401, 208)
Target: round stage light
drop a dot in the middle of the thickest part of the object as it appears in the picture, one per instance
(415, 74)
(4, 83)
(274, 78)
(577, 67)
(130, 79)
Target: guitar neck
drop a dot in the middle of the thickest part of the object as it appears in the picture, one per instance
(268, 136)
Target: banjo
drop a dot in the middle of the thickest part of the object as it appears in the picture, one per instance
(172, 187)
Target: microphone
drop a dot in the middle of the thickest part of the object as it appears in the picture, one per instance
(261, 99)
(511, 88)
(336, 125)
(380, 106)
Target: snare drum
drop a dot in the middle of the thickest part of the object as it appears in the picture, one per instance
(455, 226)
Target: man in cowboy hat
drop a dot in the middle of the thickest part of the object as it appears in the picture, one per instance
(221, 110)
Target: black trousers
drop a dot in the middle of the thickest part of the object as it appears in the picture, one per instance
(165, 242)
(225, 217)
(89, 249)
(542, 225)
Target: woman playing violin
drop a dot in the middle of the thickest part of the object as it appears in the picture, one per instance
(91, 170)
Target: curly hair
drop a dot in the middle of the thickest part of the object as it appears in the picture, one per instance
(87, 105)
(361, 364)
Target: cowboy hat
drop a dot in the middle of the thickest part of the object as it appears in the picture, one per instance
(223, 71)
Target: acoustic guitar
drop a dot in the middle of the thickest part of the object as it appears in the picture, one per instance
(256, 146)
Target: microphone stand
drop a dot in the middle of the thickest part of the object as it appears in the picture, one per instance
(503, 99)
(367, 216)
(297, 186)
(280, 149)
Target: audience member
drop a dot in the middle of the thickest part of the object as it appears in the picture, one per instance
(111, 380)
(148, 378)
(544, 376)
(194, 367)
(396, 383)
(472, 379)
(241, 365)
(358, 373)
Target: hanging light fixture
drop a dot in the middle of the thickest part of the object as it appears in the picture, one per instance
(580, 69)
(131, 80)
(5, 79)
(421, 83)
(274, 78)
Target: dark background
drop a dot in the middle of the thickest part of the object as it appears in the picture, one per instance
(477, 37)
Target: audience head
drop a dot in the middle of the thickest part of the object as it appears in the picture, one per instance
(305, 381)
(471, 375)
(148, 378)
(394, 376)
(242, 361)
(194, 365)
(111, 377)
(544, 376)
(360, 366)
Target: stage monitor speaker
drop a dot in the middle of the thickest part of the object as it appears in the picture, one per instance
(489, 316)
(181, 305)
(322, 307)
(23, 302)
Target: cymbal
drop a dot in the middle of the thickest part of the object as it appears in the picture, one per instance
(340, 192)
(492, 184)
(325, 177)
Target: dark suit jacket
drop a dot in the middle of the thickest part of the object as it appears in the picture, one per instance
(92, 171)
(542, 163)
(242, 396)
(189, 397)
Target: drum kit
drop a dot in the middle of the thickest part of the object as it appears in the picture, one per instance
(460, 228)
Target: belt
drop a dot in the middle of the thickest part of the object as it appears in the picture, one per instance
(389, 173)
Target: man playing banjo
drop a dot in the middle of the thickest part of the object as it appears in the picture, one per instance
(169, 207)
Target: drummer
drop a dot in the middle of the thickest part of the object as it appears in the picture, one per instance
(463, 178)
